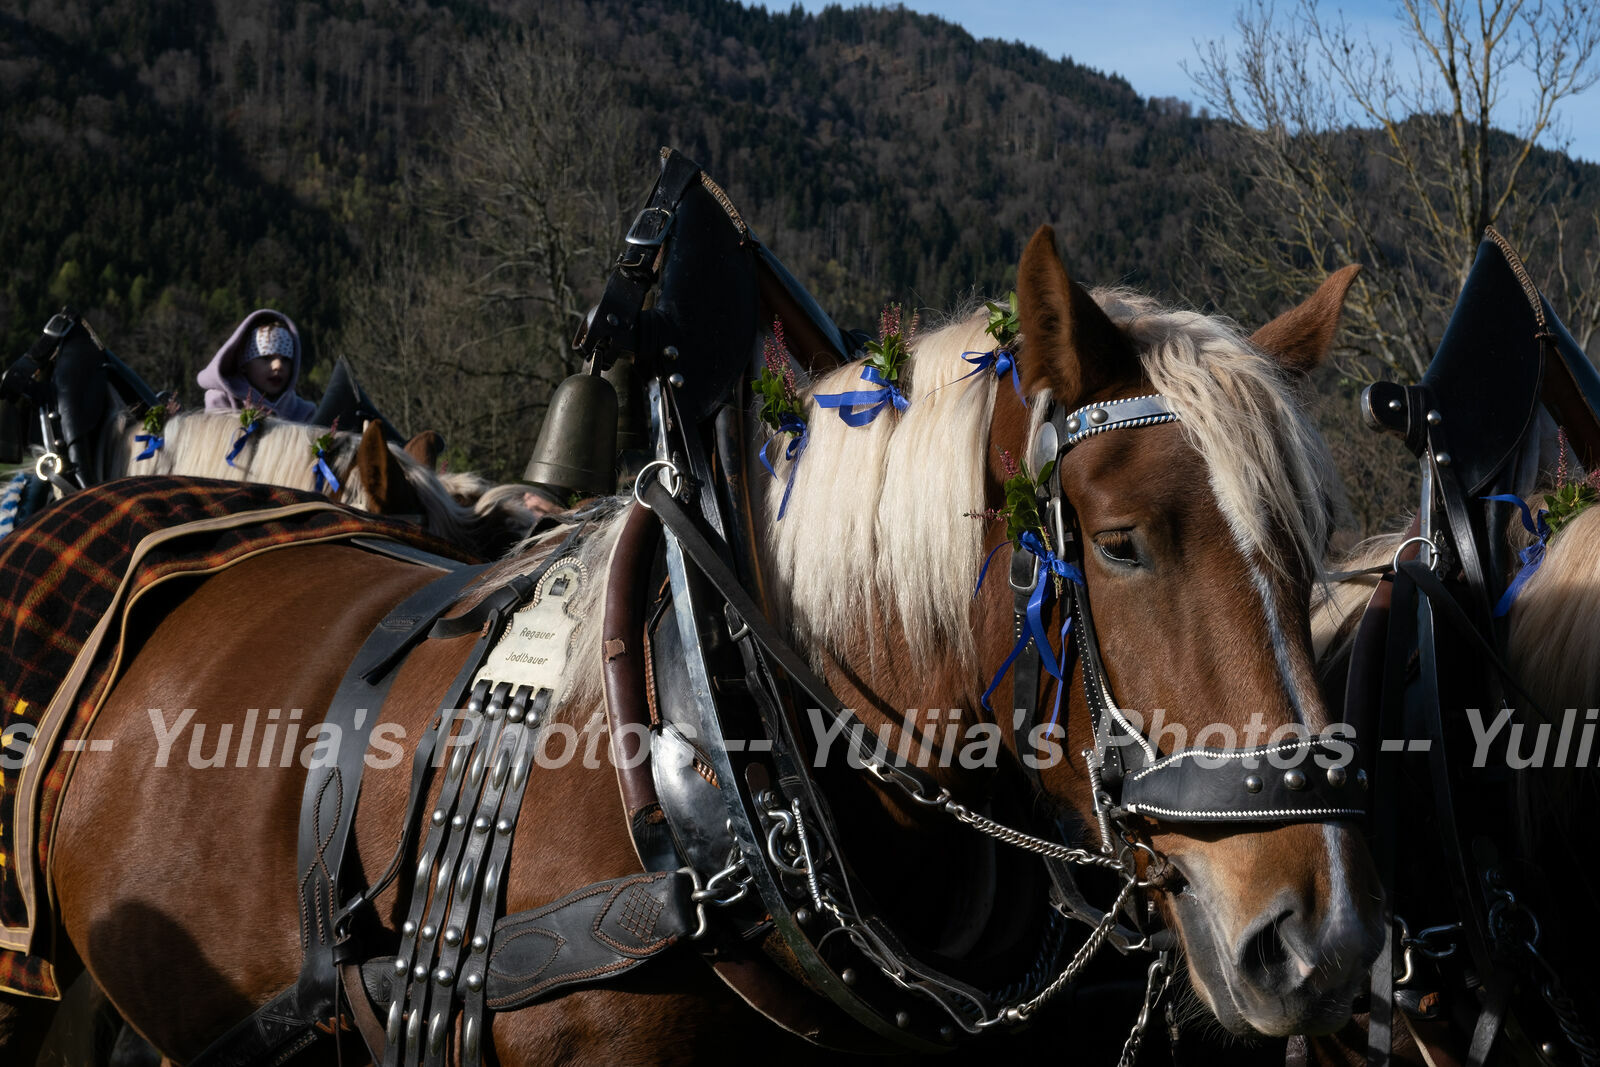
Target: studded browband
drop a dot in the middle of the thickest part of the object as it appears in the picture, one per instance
(1300, 779)
(1092, 419)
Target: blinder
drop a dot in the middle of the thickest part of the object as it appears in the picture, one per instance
(64, 384)
(1298, 779)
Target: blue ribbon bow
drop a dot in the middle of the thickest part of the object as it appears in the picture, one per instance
(153, 443)
(1000, 360)
(796, 426)
(879, 399)
(324, 473)
(1529, 557)
(238, 445)
(1049, 566)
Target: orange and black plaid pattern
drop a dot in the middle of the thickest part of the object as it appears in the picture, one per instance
(58, 574)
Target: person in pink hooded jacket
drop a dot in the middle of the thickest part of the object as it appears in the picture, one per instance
(259, 365)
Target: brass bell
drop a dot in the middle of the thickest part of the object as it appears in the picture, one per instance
(633, 432)
(577, 446)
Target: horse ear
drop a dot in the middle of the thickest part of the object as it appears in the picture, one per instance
(1072, 346)
(1301, 337)
(383, 476)
(426, 447)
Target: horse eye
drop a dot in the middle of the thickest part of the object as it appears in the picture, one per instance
(1118, 547)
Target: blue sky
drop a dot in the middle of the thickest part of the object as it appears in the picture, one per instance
(1146, 41)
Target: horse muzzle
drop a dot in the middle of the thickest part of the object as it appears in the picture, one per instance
(1292, 963)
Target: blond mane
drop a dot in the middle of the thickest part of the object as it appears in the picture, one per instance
(878, 517)
(1270, 470)
(280, 453)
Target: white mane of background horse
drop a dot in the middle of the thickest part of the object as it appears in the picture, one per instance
(462, 508)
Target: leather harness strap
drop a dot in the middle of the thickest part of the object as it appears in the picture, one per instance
(613, 326)
(596, 933)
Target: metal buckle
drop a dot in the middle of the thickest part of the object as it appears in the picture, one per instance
(649, 227)
(59, 325)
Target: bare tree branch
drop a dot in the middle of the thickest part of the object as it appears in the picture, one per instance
(1338, 150)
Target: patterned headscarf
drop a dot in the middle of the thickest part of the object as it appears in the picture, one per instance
(269, 341)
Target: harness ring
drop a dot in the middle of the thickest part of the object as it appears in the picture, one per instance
(1433, 552)
(673, 487)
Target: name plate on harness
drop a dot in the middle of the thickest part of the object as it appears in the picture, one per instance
(532, 650)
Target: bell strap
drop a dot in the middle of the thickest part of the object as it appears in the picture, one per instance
(612, 327)
(710, 562)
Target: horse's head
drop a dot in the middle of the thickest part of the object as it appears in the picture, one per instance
(1198, 538)
(1195, 526)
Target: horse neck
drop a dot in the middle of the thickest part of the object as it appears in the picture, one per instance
(951, 887)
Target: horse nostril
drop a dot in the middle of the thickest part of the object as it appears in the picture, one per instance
(1263, 953)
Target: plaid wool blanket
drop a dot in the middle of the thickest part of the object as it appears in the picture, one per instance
(60, 572)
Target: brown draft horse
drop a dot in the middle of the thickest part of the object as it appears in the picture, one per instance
(173, 882)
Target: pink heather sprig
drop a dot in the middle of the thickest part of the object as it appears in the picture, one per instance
(775, 350)
(779, 396)
(1008, 464)
(1564, 470)
(888, 321)
(252, 412)
(1570, 497)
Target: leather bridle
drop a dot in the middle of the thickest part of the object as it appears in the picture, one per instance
(1304, 779)
(1297, 779)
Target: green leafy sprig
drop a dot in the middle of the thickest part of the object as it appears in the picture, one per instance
(1020, 512)
(1568, 502)
(1004, 324)
(1571, 498)
(155, 419)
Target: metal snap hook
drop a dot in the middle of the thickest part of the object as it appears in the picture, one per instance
(699, 904)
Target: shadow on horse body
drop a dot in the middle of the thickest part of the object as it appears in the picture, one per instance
(1198, 536)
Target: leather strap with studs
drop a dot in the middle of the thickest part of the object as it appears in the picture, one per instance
(1094, 419)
